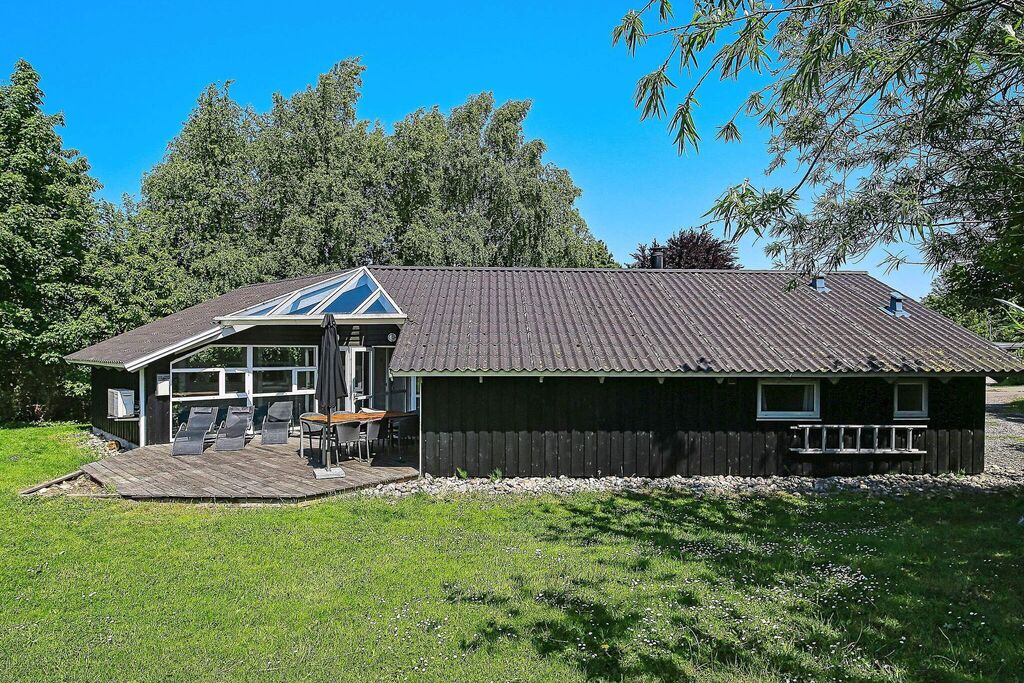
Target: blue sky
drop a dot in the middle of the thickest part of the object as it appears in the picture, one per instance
(126, 75)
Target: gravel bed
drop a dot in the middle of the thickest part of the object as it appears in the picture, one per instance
(1004, 471)
(1004, 431)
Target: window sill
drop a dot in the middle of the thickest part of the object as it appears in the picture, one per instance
(788, 418)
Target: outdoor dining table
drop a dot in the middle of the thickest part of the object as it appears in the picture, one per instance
(340, 417)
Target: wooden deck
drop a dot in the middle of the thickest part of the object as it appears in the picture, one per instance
(256, 473)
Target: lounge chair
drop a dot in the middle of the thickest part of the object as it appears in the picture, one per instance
(231, 435)
(277, 424)
(189, 438)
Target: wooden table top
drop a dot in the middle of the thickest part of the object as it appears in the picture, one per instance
(339, 417)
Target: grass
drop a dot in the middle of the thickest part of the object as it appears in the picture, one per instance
(1018, 405)
(655, 587)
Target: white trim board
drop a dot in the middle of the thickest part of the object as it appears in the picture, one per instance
(894, 376)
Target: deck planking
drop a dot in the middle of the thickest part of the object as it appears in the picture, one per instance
(255, 473)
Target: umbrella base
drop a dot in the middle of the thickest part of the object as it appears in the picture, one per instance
(334, 473)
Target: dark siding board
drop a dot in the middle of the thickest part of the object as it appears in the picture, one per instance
(967, 450)
(979, 451)
(591, 419)
(445, 428)
(457, 394)
(583, 427)
(757, 454)
(508, 400)
(522, 427)
(473, 407)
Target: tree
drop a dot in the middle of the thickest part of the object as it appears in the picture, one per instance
(470, 189)
(690, 249)
(309, 186)
(46, 215)
(198, 199)
(903, 119)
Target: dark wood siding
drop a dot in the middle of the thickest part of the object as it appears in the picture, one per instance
(582, 427)
(111, 378)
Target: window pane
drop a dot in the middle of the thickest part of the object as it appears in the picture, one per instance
(306, 379)
(309, 300)
(350, 300)
(271, 381)
(282, 356)
(909, 398)
(234, 382)
(381, 305)
(195, 383)
(215, 357)
(787, 398)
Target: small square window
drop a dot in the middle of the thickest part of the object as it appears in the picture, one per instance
(788, 399)
(910, 399)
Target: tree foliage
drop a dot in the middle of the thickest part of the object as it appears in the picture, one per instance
(309, 186)
(985, 271)
(694, 248)
(903, 119)
(46, 218)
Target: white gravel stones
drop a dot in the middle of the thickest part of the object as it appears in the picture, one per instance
(884, 485)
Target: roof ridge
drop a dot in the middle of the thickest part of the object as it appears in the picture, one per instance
(735, 271)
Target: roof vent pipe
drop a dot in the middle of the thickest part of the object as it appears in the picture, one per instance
(895, 306)
(818, 283)
(657, 257)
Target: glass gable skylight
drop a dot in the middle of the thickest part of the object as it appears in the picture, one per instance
(350, 294)
(308, 301)
(350, 300)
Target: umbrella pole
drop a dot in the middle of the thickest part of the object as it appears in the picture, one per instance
(327, 453)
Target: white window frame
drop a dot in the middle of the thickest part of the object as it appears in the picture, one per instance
(814, 414)
(909, 414)
(248, 369)
(295, 369)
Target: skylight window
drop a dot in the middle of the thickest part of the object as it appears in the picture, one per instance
(353, 293)
(349, 301)
(308, 301)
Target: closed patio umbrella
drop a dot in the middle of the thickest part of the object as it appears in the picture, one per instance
(330, 376)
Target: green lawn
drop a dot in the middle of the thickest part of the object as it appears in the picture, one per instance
(1017, 405)
(595, 587)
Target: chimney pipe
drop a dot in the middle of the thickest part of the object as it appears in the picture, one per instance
(657, 257)
(895, 307)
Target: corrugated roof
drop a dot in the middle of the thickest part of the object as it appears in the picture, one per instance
(600, 320)
(159, 334)
(603, 320)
